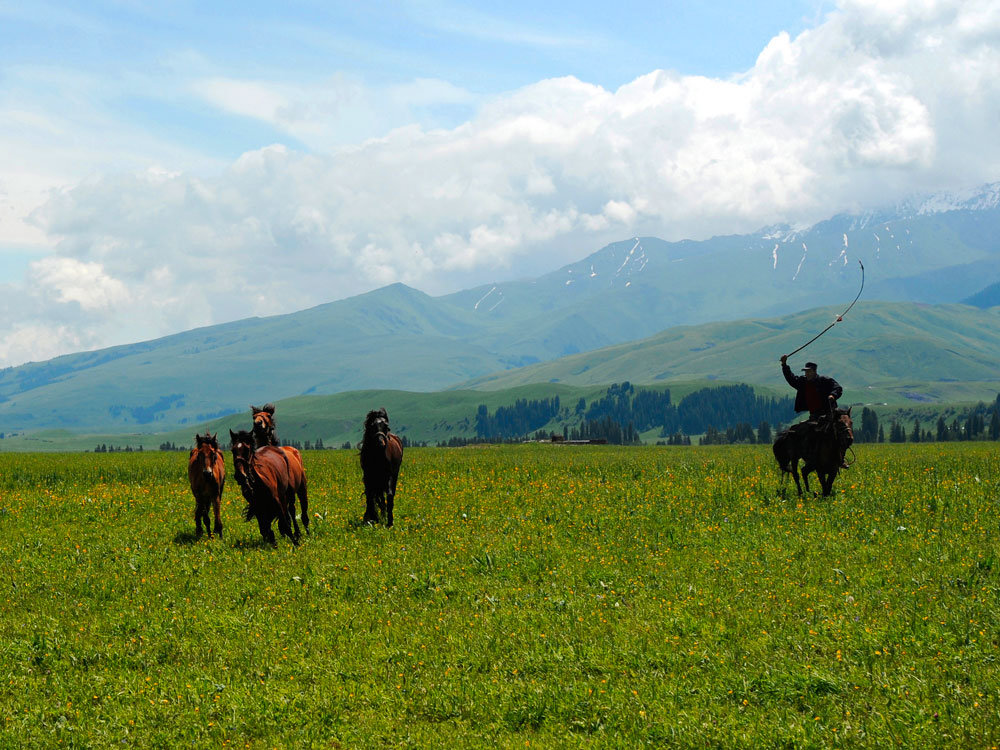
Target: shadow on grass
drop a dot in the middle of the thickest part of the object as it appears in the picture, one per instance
(252, 543)
(187, 538)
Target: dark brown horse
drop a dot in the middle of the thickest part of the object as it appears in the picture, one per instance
(207, 474)
(381, 457)
(262, 475)
(820, 445)
(264, 434)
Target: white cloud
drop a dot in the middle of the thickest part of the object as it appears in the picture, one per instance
(338, 111)
(875, 103)
(70, 280)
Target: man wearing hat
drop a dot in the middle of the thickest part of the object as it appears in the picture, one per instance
(814, 393)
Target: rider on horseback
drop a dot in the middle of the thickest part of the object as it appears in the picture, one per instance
(814, 393)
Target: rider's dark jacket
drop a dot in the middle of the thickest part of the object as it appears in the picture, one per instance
(824, 387)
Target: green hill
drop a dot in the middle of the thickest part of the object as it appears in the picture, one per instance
(882, 352)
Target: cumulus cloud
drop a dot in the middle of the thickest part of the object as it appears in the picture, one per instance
(879, 101)
(70, 280)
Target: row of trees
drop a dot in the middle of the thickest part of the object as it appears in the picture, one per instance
(624, 411)
(981, 422)
(513, 421)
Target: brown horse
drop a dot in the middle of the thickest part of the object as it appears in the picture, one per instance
(264, 434)
(262, 475)
(381, 457)
(207, 474)
(820, 445)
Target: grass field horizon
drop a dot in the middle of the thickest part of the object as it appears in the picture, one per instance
(528, 595)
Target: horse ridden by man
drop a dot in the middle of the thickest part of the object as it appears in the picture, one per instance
(207, 475)
(822, 440)
(264, 434)
(381, 455)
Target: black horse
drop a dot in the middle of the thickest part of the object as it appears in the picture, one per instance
(819, 444)
(381, 456)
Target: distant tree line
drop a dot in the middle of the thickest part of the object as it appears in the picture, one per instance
(459, 442)
(513, 421)
(980, 422)
(103, 448)
(624, 411)
(728, 405)
(643, 410)
(606, 428)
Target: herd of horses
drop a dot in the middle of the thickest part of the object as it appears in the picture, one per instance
(271, 476)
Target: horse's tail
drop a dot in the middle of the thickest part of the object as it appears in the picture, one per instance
(781, 446)
(250, 512)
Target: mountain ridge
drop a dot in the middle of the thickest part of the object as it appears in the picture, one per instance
(400, 337)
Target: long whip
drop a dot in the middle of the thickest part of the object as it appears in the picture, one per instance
(839, 317)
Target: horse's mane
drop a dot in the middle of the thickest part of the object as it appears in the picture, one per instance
(206, 438)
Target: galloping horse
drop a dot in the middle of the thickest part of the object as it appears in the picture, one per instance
(821, 448)
(381, 456)
(262, 475)
(207, 474)
(263, 434)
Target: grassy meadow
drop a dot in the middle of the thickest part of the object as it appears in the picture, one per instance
(528, 596)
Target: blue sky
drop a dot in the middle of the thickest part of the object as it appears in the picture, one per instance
(144, 52)
(444, 144)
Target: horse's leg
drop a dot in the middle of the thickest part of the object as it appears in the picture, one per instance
(807, 469)
(217, 507)
(264, 524)
(286, 528)
(290, 504)
(795, 475)
(371, 515)
(783, 487)
(304, 503)
(197, 517)
(390, 498)
(830, 476)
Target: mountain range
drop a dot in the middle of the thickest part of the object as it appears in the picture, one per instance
(642, 309)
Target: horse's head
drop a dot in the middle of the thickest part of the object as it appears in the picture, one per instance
(377, 420)
(242, 447)
(263, 424)
(845, 426)
(206, 452)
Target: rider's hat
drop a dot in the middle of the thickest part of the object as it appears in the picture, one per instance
(809, 366)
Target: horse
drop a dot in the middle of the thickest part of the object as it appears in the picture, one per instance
(381, 456)
(264, 434)
(820, 445)
(207, 474)
(262, 475)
